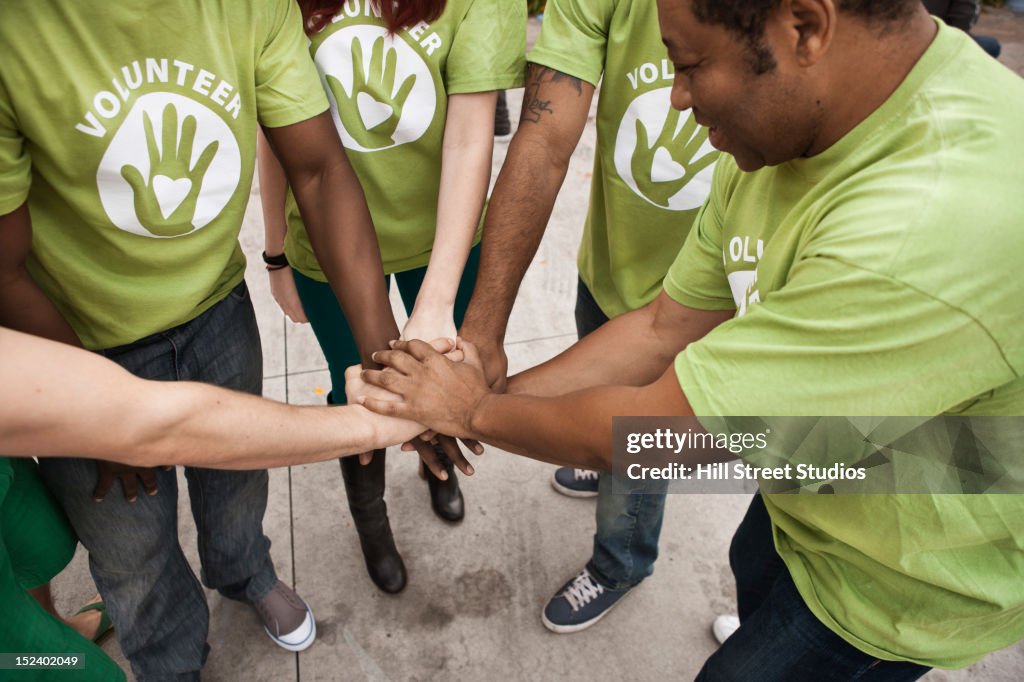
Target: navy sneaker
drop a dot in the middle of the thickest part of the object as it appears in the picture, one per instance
(579, 604)
(575, 482)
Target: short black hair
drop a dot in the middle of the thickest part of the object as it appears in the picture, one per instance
(747, 18)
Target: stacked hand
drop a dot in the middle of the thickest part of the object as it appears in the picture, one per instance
(429, 325)
(493, 361)
(108, 472)
(431, 389)
(358, 391)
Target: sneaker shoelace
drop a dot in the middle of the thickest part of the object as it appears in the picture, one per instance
(582, 591)
(584, 474)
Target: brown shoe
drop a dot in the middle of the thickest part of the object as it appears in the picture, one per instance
(287, 618)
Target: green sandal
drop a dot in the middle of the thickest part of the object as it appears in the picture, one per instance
(105, 626)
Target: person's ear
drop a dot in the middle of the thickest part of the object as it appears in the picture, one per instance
(812, 24)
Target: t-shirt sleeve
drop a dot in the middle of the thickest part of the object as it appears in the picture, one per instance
(838, 340)
(288, 88)
(489, 48)
(15, 165)
(573, 37)
(697, 277)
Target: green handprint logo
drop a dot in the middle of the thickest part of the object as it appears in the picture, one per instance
(661, 169)
(372, 110)
(166, 203)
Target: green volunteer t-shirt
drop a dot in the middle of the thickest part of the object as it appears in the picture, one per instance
(389, 99)
(130, 129)
(881, 278)
(652, 165)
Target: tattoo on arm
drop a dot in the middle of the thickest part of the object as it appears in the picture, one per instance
(533, 104)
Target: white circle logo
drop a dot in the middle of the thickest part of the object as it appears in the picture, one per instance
(381, 91)
(662, 154)
(170, 169)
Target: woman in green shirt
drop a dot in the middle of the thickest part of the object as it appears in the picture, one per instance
(412, 87)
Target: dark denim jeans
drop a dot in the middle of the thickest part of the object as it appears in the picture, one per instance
(151, 593)
(779, 639)
(628, 524)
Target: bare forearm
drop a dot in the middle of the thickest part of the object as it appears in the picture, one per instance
(219, 429)
(573, 429)
(130, 420)
(273, 190)
(554, 114)
(518, 213)
(338, 223)
(570, 430)
(632, 349)
(196, 424)
(625, 351)
(349, 256)
(465, 174)
(23, 305)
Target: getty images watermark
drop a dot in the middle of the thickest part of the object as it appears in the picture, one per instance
(832, 455)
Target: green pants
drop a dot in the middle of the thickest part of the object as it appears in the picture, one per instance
(36, 543)
(332, 330)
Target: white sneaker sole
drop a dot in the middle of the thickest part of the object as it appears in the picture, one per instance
(305, 642)
(569, 492)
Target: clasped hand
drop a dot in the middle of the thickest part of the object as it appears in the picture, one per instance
(422, 385)
(359, 389)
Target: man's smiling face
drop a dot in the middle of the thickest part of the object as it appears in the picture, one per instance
(755, 99)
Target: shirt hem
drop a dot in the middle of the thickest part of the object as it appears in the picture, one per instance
(12, 202)
(291, 116)
(566, 65)
(510, 82)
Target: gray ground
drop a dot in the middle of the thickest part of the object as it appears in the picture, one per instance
(472, 607)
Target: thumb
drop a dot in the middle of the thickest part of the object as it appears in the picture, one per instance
(470, 351)
(442, 345)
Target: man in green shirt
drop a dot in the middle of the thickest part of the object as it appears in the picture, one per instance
(856, 256)
(127, 147)
(652, 171)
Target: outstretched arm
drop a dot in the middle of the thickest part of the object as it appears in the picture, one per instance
(337, 219)
(573, 429)
(555, 108)
(465, 174)
(632, 349)
(273, 191)
(149, 423)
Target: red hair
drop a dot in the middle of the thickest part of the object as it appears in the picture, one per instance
(397, 14)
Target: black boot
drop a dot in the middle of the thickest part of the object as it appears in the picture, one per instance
(365, 488)
(445, 496)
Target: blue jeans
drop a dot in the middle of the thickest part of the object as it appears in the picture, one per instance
(628, 525)
(779, 639)
(151, 593)
(989, 44)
